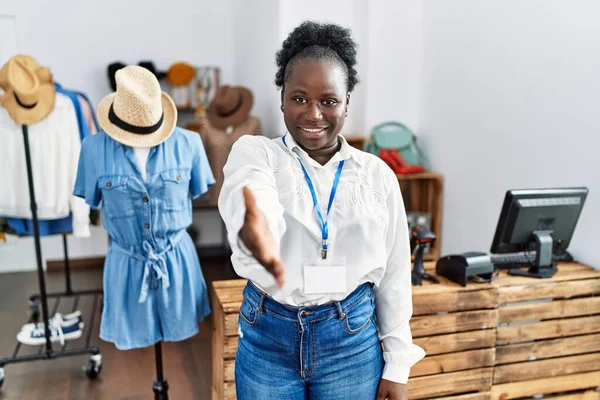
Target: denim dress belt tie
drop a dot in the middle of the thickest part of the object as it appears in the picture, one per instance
(155, 266)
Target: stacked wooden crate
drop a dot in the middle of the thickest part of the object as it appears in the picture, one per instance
(548, 338)
(226, 299)
(518, 338)
(456, 327)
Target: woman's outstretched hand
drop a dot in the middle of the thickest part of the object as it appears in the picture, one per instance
(257, 237)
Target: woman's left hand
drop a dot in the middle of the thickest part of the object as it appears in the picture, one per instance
(389, 390)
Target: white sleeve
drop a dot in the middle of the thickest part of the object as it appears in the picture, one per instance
(249, 165)
(79, 208)
(394, 294)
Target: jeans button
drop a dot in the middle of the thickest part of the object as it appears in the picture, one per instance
(147, 226)
(146, 199)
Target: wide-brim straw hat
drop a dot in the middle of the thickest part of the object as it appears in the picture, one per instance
(230, 107)
(139, 113)
(29, 91)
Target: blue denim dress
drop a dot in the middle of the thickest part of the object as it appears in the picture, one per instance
(153, 286)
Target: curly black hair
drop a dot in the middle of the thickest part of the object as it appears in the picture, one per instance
(317, 41)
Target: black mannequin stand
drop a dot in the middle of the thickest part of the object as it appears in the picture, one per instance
(160, 386)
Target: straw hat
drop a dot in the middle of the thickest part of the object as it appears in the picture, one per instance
(230, 107)
(138, 114)
(28, 90)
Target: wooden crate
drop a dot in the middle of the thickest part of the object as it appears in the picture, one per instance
(424, 193)
(454, 324)
(456, 327)
(548, 337)
(226, 299)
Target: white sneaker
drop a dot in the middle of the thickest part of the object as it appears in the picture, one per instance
(65, 319)
(59, 332)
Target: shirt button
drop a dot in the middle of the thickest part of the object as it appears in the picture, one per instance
(178, 178)
(147, 226)
(146, 199)
(108, 184)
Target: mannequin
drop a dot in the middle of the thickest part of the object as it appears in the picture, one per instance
(144, 170)
(227, 119)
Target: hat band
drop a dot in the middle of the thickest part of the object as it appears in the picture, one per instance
(235, 109)
(27, 106)
(143, 130)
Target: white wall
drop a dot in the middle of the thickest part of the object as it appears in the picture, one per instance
(78, 39)
(256, 40)
(510, 100)
(394, 63)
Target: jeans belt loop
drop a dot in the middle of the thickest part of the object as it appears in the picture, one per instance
(341, 313)
(260, 303)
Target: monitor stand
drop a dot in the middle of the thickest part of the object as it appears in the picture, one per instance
(544, 266)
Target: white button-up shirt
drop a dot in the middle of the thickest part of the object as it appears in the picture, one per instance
(54, 146)
(367, 225)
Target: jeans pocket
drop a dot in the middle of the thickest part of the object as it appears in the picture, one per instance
(359, 317)
(248, 312)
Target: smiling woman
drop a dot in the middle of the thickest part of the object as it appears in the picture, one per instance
(316, 75)
(319, 230)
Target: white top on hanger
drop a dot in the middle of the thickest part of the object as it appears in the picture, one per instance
(54, 145)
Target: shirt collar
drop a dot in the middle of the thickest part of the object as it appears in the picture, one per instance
(344, 153)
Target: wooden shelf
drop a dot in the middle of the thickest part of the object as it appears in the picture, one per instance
(419, 176)
(423, 192)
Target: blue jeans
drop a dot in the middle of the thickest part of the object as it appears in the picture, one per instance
(328, 352)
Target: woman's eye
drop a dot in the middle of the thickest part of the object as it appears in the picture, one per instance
(329, 102)
(300, 100)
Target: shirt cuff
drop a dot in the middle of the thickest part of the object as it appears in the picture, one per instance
(396, 372)
(81, 229)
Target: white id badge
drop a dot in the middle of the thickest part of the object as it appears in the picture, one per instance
(325, 276)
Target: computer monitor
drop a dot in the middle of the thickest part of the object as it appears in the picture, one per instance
(540, 220)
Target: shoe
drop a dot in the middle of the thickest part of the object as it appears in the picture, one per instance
(403, 166)
(385, 156)
(65, 319)
(59, 332)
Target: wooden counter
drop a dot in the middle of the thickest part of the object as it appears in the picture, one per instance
(511, 339)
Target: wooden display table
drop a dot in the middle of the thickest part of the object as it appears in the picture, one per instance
(548, 335)
(470, 335)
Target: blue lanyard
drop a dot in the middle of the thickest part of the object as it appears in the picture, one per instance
(324, 221)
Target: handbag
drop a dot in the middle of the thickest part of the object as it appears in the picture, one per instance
(397, 137)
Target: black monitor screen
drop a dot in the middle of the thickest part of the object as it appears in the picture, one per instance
(527, 211)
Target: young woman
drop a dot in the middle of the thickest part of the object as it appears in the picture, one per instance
(319, 230)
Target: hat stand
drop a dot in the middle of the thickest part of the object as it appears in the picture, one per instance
(46, 352)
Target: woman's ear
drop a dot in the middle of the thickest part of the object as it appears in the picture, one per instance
(281, 100)
(347, 103)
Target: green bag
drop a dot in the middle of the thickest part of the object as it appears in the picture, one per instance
(396, 136)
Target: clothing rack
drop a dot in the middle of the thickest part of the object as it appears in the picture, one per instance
(46, 352)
